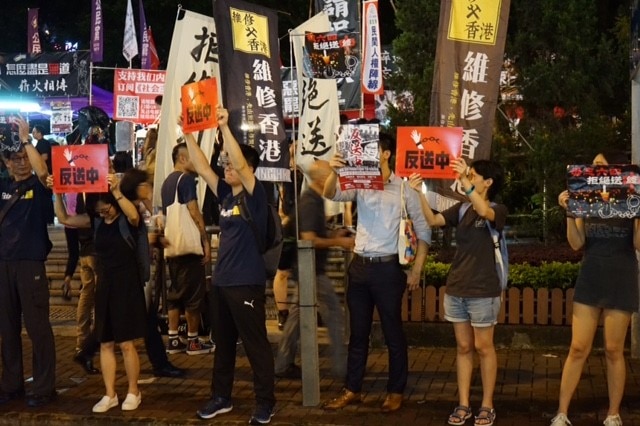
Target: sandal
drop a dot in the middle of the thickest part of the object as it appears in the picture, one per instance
(486, 416)
(613, 420)
(66, 290)
(460, 415)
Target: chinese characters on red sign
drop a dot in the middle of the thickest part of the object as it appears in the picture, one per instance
(428, 151)
(80, 168)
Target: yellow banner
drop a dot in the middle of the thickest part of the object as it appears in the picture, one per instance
(250, 32)
(475, 21)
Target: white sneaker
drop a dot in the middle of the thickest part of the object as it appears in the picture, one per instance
(105, 404)
(613, 420)
(560, 420)
(132, 401)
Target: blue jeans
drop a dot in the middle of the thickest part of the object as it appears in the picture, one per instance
(379, 285)
(479, 311)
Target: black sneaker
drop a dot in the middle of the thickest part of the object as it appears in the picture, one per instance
(292, 372)
(215, 406)
(168, 370)
(35, 401)
(175, 346)
(10, 396)
(262, 415)
(282, 318)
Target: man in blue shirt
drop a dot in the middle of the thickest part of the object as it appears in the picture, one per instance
(376, 278)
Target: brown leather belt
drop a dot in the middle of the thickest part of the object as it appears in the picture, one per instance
(375, 259)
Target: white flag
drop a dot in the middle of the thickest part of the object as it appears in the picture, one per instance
(130, 44)
(192, 57)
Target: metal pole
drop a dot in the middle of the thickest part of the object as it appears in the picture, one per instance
(308, 324)
(635, 157)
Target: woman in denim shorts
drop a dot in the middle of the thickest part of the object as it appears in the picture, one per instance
(473, 294)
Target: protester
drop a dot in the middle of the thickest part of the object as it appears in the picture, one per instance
(609, 245)
(187, 270)
(473, 292)
(238, 292)
(135, 186)
(376, 279)
(79, 220)
(24, 288)
(313, 227)
(120, 308)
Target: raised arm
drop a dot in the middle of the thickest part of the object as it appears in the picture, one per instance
(480, 205)
(232, 148)
(433, 219)
(128, 208)
(336, 163)
(200, 163)
(38, 164)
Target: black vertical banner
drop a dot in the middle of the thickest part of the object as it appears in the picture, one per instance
(345, 19)
(251, 83)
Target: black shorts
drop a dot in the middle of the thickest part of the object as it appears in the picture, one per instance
(187, 288)
(287, 256)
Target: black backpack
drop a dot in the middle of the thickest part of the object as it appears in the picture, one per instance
(271, 245)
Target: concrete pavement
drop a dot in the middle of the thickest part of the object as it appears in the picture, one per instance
(526, 393)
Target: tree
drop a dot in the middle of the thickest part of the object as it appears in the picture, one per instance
(571, 56)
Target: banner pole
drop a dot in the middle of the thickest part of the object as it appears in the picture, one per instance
(90, 82)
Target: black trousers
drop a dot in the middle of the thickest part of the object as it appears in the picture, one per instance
(240, 312)
(24, 292)
(379, 285)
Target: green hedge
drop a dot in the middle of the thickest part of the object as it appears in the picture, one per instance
(547, 275)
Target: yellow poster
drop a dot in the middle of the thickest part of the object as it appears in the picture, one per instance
(250, 32)
(474, 21)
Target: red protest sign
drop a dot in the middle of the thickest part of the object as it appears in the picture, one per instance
(80, 168)
(199, 103)
(428, 151)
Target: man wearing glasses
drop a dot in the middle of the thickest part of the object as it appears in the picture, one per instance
(24, 291)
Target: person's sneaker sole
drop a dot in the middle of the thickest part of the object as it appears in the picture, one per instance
(200, 352)
(255, 422)
(210, 416)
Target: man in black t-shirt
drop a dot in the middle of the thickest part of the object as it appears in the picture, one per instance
(24, 288)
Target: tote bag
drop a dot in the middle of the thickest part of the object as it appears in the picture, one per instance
(180, 230)
(407, 239)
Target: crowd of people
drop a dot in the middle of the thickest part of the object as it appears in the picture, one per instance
(108, 237)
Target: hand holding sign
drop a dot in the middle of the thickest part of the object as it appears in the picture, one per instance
(199, 103)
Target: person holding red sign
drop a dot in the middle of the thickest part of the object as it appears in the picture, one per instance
(473, 294)
(376, 279)
(609, 245)
(238, 288)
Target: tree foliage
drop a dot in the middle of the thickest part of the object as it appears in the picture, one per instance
(571, 62)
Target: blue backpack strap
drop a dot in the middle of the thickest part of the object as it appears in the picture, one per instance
(463, 210)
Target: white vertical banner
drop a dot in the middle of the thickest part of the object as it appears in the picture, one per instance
(319, 106)
(371, 57)
(318, 101)
(130, 42)
(193, 56)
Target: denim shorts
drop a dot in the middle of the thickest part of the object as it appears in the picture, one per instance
(480, 311)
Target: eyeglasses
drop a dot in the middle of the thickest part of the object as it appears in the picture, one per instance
(19, 159)
(104, 211)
